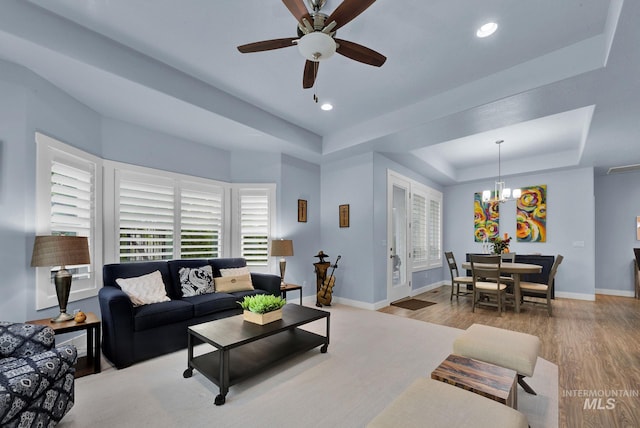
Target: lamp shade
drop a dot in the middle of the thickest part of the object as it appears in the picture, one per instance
(282, 247)
(60, 251)
(316, 46)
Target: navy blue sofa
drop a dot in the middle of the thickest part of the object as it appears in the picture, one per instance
(132, 334)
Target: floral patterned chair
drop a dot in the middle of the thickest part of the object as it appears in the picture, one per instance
(36, 378)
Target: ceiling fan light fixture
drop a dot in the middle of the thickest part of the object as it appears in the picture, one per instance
(487, 29)
(327, 106)
(317, 46)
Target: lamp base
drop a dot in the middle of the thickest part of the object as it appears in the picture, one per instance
(62, 317)
(62, 280)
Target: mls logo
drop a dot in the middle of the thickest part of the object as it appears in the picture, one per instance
(599, 404)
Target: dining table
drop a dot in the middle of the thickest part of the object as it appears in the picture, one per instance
(515, 270)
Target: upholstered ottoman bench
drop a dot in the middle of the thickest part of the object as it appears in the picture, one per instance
(505, 348)
(431, 403)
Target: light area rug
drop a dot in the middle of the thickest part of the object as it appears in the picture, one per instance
(372, 358)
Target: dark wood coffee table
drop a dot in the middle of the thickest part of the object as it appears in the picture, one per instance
(491, 381)
(238, 342)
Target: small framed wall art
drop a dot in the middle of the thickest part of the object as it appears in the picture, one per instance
(344, 215)
(302, 211)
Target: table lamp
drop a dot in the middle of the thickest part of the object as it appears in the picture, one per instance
(282, 248)
(61, 251)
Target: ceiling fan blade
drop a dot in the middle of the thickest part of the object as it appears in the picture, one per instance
(310, 73)
(348, 10)
(267, 45)
(360, 53)
(298, 9)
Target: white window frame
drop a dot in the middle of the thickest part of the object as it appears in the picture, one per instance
(48, 150)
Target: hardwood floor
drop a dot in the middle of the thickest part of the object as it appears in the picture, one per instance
(595, 345)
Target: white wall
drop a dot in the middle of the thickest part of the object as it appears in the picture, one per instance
(349, 181)
(300, 180)
(570, 225)
(132, 144)
(617, 206)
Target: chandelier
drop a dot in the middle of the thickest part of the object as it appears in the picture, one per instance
(501, 193)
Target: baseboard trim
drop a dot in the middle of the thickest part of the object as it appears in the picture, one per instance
(621, 293)
(575, 296)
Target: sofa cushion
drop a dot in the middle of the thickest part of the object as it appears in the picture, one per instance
(206, 304)
(159, 314)
(228, 284)
(113, 271)
(505, 348)
(25, 380)
(226, 263)
(145, 289)
(19, 340)
(428, 402)
(174, 271)
(235, 271)
(196, 281)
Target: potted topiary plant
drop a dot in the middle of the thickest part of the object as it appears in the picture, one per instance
(262, 308)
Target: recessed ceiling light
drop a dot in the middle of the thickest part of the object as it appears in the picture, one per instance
(487, 29)
(326, 107)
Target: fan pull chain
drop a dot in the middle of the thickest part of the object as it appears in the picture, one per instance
(315, 83)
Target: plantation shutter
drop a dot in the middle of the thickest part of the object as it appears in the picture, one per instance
(254, 226)
(201, 223)
(435, 231)
(146, 219)
(419, 228)
(72, 193)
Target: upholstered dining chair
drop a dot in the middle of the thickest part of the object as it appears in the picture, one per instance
(456, 279)
(487, 281)
(541, 291)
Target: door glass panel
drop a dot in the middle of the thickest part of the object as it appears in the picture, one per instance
(399, 244)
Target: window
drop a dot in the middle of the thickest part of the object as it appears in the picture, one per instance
(419, 229)
(162, 215)
(146, 218)
(68, 202)
(435, 230)
(426, 227)
(254, 222)
(201, 221)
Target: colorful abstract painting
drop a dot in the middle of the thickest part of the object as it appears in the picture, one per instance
(486, 219)
(531, 214)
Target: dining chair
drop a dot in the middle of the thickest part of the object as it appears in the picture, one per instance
(485, 271)
(456, 279)
(541, 291)
(508, 279)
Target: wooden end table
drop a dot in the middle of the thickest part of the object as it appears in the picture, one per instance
(290, 287)
(91, 363)
(491, 381)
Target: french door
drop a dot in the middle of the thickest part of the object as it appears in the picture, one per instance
(398, 237)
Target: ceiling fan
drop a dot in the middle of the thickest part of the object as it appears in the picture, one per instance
(316, 36)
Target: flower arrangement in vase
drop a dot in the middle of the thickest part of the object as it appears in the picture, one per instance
(501, 245)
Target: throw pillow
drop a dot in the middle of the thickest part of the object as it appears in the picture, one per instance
(196, 281)
(145, 289)
(229, 284)
(234, 271)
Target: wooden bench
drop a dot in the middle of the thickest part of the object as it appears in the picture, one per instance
(505, 348)
(431, 403)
